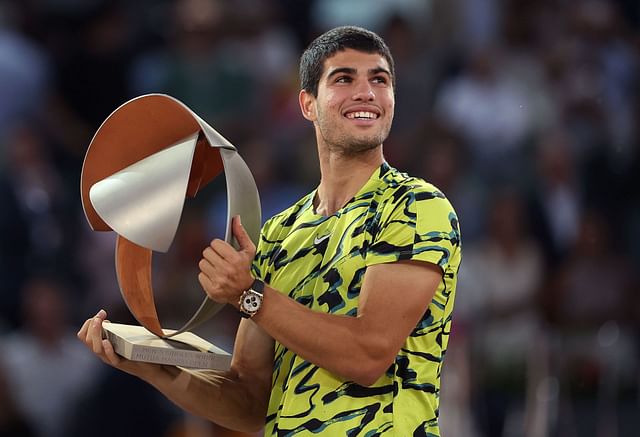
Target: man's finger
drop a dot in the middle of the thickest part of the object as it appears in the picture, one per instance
(206, 267)
(95, 332)
(208, 286)
(244, 241)
(212, 254)
(111, 355)
(223, 250)
(206, 283)
(82, 333)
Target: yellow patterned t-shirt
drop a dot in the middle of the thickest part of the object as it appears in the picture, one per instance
(320, 262)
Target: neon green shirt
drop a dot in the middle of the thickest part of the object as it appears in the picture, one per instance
(320, 262)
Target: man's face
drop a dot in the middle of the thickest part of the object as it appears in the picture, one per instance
(354, 107)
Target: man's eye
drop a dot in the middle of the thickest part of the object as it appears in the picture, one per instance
(380, 79)
(343, 79)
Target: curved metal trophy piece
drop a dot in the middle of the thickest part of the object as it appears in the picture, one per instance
(144, 160)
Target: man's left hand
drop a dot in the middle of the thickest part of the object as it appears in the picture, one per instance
(224, 271)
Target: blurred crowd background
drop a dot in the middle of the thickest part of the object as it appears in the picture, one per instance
(525, 113)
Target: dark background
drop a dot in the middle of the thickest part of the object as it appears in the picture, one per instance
(525, 113)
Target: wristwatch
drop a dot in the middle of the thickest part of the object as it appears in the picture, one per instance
(251, 299)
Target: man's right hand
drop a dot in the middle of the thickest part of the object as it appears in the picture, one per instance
(91, 335)
(236, 399)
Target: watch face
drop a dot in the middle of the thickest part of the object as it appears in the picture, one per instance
(251, 302)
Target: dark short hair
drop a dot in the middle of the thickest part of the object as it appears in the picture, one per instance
(337, 40)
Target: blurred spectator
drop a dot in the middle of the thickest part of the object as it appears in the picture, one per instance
(13, 422)
(264, 40)
(95, 259)
(91, 50)
(593, 284)
(556, 196)
(48, 367)
(372, 15)
(418, 67)
(491, 111)
(478, 23)
(92, 77)
(267, 51)
(39, 190)
(14, 247)
(611, 66)
(591, 306)
(35, 213)
(593, 69)
(201, 66)
(499, 288)
(24, 77)
(631, 209)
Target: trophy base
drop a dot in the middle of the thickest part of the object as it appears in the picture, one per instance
(185, 349)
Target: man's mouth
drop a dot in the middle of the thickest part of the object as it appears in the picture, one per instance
(361, 115)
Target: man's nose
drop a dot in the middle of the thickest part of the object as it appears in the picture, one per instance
(364, 91)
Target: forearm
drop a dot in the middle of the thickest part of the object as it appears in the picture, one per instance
(343, 345)
(221, 397)
(235, 399)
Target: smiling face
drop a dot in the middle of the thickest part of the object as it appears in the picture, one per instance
(353, 110)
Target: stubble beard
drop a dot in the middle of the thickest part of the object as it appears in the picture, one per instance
(341, 141)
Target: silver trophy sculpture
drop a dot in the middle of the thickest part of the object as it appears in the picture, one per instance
(146, 158)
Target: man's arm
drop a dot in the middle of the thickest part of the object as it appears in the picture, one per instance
(393, 298)
(236, 399)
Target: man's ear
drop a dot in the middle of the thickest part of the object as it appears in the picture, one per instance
(307, 105)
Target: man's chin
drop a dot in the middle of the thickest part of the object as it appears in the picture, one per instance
(360, 145)
(359, 148)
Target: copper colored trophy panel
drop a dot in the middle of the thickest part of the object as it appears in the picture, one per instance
(133, 266)
(136, 130)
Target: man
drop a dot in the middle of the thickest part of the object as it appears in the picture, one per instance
(349, 295)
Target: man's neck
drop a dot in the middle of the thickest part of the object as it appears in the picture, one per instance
(342, 176)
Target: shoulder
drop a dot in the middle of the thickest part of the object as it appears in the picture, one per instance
(413, 220)
(411, 202)
(402, 189)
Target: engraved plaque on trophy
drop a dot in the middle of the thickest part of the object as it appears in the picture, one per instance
(146, 158)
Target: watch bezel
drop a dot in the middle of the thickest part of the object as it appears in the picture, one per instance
(255, 290)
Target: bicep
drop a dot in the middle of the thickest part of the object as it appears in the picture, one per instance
(394, 297)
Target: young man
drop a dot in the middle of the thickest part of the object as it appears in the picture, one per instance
(348, 298)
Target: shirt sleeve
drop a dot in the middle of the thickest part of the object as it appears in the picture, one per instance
(415, 223)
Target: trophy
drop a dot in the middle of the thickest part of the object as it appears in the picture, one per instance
(146, 158)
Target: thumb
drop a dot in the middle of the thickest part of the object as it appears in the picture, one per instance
(244, 241)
